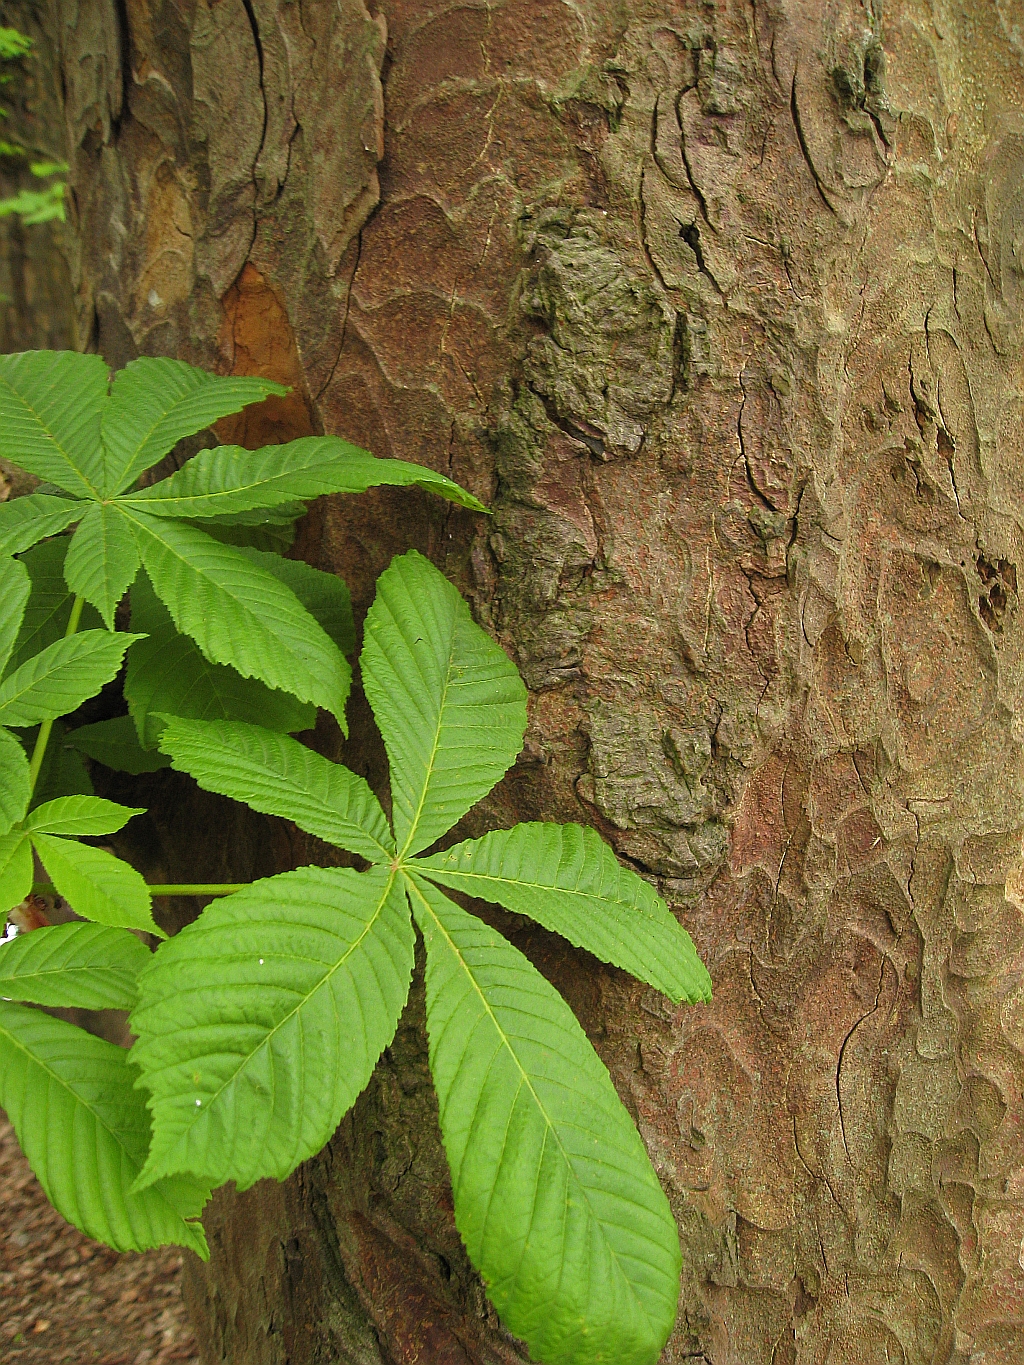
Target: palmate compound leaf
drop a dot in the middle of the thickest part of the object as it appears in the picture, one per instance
(555, 1198)
(155, 402)
(288, 992)
(228, 479)
(27, 519)
(56, 681)
(96, 885)
(88, 966)
(102, 559)
(449, 703)
(239, 614)
(83, 1126)
(167, 673)
(568, 879)
(279, 776)
(50, 406)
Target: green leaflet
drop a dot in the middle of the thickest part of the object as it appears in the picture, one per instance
(50, 405)
(568, 879)
(63, 773)
(241, 615)
(450, 704)
(64, 675)
(14, 785)
(49, 605)
(15, 587)
(554, 1196)
(169, 675)
(102, 560)
(85, 815)
(155, 402)
(324, 595)
(15, 871)
(115, 743)
(96, 885)
(88, 966)
(84, 1128)
(228, 479)
(27, 519)
(279, 776)
(292, 989)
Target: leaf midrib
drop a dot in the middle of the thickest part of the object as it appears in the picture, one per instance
(529, 1084)
(181, 498)
(291, 1013)
(429, 772)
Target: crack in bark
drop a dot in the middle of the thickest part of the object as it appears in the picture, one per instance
(250, 14)
(794, 109)
(842, 1053)
(344, 322)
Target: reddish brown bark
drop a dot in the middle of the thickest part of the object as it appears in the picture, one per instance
(719, 307)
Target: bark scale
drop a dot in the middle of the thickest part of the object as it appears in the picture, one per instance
(720, 308)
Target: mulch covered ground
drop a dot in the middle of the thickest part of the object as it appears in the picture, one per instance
(67, 1301)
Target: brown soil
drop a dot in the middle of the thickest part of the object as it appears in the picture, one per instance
(65, 1300)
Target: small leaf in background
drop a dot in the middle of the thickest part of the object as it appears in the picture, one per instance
(83, 1126)
(449, 703)
(15, 587)
(15, 871)
(293, 988)
(279, 776)
(96, 885)
(81, 815)
(241, 615)
(555, 1197)
(83, 966)
(63, 773)
(324, 595)
(14, 783)
(50, 406)
(102, 560)
(57, 681)
(115, 743)
(168, 674)
(155, 402)
(271, 528)
(50, 602)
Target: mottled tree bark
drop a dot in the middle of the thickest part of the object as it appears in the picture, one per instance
(719, 306)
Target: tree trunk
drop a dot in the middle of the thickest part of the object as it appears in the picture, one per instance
(719, 308)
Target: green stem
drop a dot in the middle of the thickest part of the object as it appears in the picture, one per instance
(165, 889)
(43, 737)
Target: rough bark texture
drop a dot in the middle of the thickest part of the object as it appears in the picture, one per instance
(720, 307)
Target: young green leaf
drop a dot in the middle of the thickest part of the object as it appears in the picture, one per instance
(449, 703)
(64, 675)
(241, 615)
(324, 595)
(15, 871)
(50, 405)
(29, 518)
(568, 879)
(103, 559)
(555, 1197)
(228, 479)
(292, 989)
(83, 966)
(168, 674)
(155, 402)
(83, 815)
(84, 1128)
(270, 528)
(49, 605)
(14, 783)
(115, 743)
(15, 587)
(279, 776)
(96, 885)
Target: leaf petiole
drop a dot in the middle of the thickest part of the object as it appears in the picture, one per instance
(43, 737)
